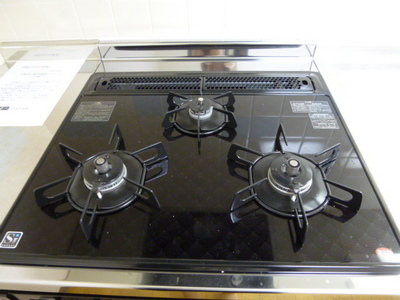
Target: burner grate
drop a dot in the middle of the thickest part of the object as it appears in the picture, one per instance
(277, 180)
(105, 183)
(259, 83)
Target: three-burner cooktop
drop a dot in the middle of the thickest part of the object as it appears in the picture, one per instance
(202, 172)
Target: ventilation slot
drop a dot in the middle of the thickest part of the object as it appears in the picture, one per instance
(150, 83)
(231, 83)
(257, 83)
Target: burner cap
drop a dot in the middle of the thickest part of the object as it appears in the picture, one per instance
(201, 109)
(106, 169)
(288, 176)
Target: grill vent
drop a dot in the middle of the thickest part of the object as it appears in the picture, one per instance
(255, 83)
(152, 83)
(263, 83)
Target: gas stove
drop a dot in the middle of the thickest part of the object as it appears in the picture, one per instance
(213, 171)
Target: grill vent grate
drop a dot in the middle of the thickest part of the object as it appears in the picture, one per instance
(255, 83)
(263, 83)
(153, 83)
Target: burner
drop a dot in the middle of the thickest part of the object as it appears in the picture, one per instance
(106, 182)
(201, 109)
(289, 174)
(291, 185)
(201, 116)
(107, 168)
(105, 174)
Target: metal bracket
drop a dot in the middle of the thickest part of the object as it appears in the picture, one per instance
(170, 99)
(300, 222)
(238, 201)
(64, 150)
(327, 164)
(88, 223)
(160, 160)
(233, 154)
(231, 123)
(231, 99)
(348, 207)
(120, 144)
(150, 197)
(42, 200)
(167, 123)
(280, 135)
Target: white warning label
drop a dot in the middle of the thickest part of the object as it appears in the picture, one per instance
(310, 106)
(320, 113)
(323, 121)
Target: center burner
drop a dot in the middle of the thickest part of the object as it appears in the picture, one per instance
(107, 182)
(199, 116)
(291, 185)
(201, 109)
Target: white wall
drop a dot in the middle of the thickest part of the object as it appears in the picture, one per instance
(306, 21)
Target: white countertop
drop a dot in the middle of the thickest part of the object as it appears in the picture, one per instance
(22, 147)
(364, 82)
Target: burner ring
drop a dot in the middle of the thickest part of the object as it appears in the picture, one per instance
(288, 190)
(201, 109)
(289, 175)
(106, 169)
(108, 186)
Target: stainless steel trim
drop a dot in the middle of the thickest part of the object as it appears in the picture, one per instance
(208, 65)
(202, 49)
(218, 57)
(71, 280)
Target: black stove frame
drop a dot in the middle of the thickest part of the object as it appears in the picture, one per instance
(177, 238)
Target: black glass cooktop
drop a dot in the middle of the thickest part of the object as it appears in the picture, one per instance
(182, 219)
